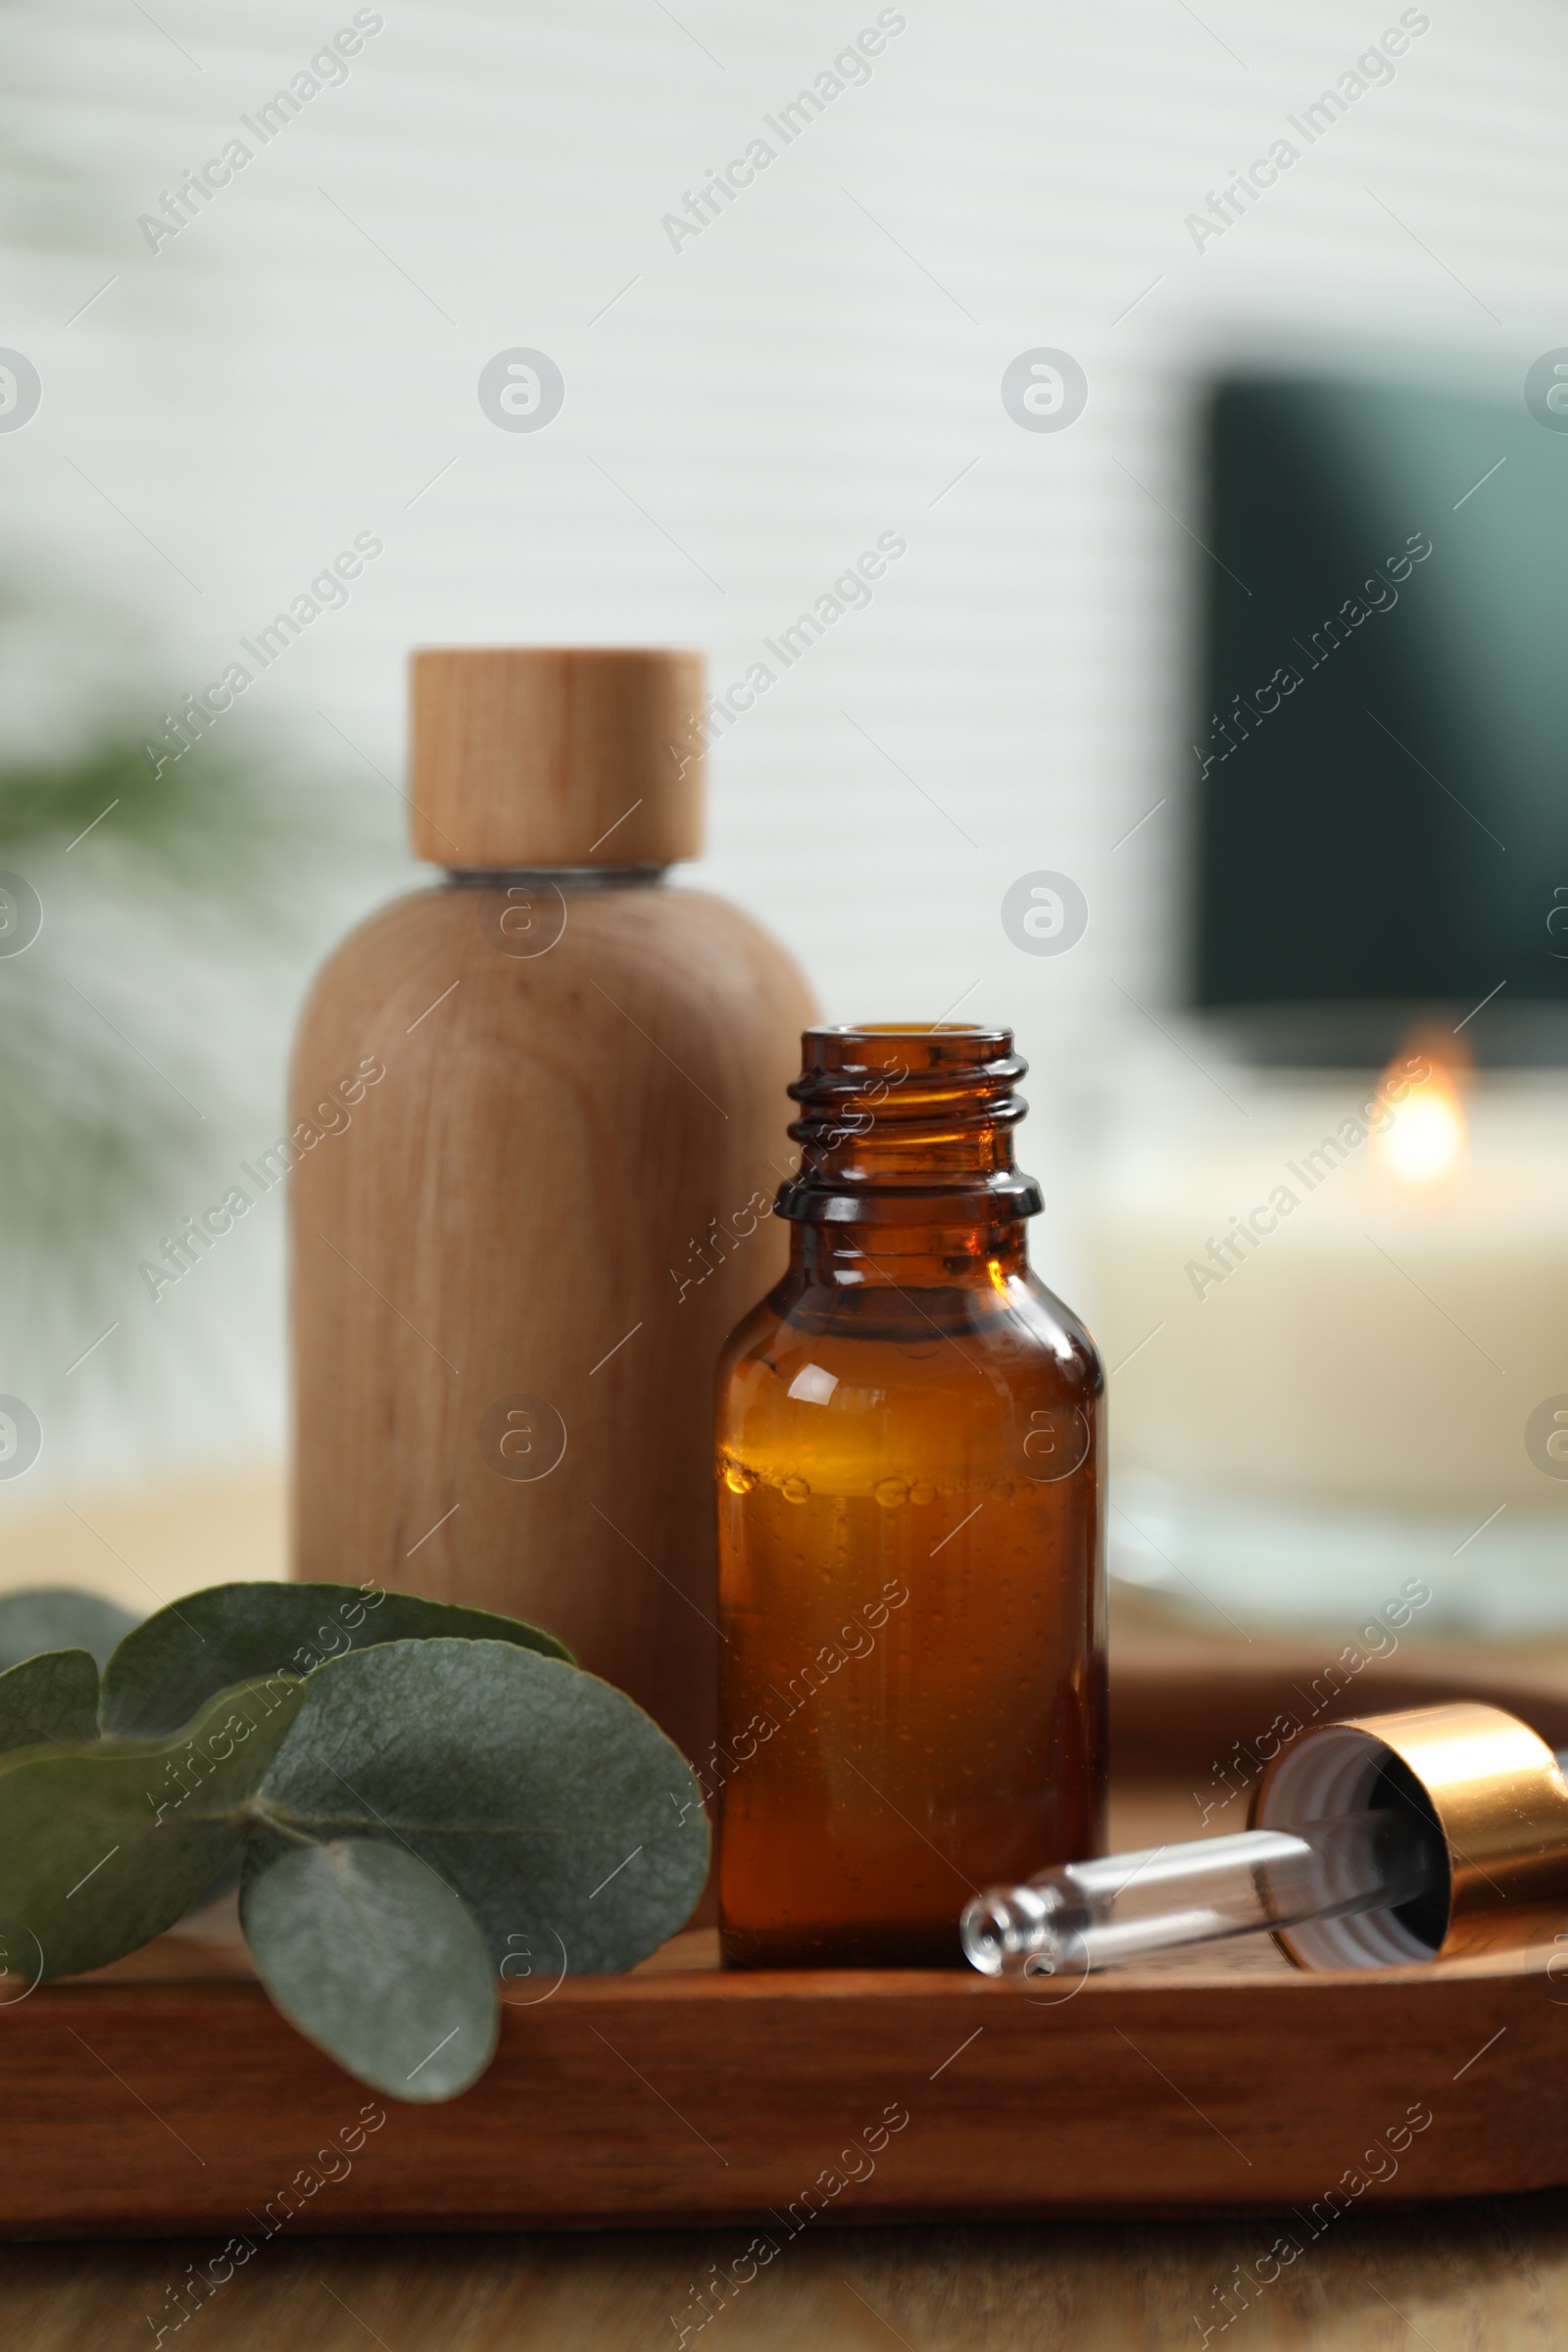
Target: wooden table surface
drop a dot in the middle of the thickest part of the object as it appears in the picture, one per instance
(1483, 2277)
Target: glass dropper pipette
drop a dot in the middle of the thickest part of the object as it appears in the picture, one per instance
(1102, 1914)
(1381, 1865)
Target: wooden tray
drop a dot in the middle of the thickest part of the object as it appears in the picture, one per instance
(167, 2096)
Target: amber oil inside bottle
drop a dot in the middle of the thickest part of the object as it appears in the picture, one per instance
(909, 1440)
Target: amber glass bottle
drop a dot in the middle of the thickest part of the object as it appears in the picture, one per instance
(911, 1589)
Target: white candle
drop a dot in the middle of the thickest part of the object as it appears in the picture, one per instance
(1356, 1307)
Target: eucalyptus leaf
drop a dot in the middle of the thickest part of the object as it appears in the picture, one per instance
(60, 1617)
(377, 1963)
(548, 1801)
(104, 1846)
(49, 1699)
(174, 1661)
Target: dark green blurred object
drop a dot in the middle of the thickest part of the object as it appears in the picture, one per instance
(49, 1617)
(1389, 833)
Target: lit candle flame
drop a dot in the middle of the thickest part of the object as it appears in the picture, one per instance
(1428, 1137)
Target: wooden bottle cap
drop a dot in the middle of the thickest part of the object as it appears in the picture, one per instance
(536, 756)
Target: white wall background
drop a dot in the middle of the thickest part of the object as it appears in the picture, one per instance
(742, 418)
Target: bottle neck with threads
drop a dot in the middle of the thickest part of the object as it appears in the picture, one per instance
(906, 1174)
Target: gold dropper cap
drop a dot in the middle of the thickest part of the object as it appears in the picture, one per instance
(1494, 1790)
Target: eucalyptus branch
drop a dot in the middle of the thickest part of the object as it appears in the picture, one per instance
(402, 1812)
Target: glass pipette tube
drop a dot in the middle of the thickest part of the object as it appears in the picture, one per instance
(1122, 1907)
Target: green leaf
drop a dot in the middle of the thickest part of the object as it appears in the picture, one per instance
(59, 1617)
(174, 1661)
(49, 1699)
(104, 1846)
(377, 1963)
(547, 1800)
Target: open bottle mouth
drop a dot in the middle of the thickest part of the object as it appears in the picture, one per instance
(907, 1118)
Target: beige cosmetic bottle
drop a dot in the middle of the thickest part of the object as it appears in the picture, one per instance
(538, 1118)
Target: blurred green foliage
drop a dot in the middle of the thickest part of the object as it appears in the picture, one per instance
(141, 1030)
(168, 898)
